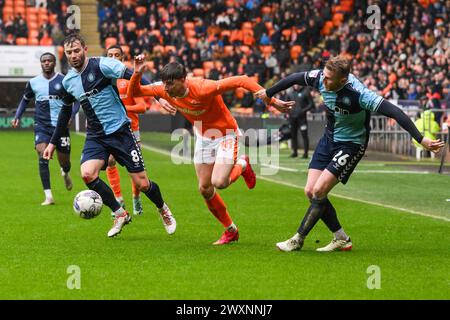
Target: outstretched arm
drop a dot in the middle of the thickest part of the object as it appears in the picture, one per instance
(390, 110)
(231, 83)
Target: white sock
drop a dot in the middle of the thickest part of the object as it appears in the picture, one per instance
(120, 212)
(242, 163)
(297, 237)
(232, 227)
(48, 194)
(341, 235)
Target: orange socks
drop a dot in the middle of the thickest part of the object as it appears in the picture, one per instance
(235, 173)
(114, 180)
(219, 210)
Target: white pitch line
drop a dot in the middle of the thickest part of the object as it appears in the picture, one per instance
(356, 171)
(167, 153)
(360, 200)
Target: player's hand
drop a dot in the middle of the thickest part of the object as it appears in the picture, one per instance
(48, 152)
(140, 64)
(432, 145)
(282, 106)
(167, 106)
(261, 94)
(15, 123)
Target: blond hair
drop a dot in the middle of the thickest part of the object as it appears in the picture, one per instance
(339, 64)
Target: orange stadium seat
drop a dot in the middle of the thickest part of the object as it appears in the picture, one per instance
(20, 10)
(245, 49)
(266, 10)
(228, 50)
(33, 34)
(236, 35)
(295, 51)
(110, 41)
(9, 3)
(53, 19)
(42, 10)
(266, 50)
(126, 50)
(151, 65)
(46, 41)
(287, 33)
(189, 33)
(208, 65)
(198, 72)
(21, 41)
(141, 10)
(189, 25)
(31, 17)
(131, 25)
(32, 10)
(32, 25)
(225, 33)
(43, 18)
(60, 52)
(8, 11)
(33, 41)
(247, 26)
(167, 49)
(192, 41)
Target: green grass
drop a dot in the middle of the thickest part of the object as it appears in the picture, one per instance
(143, 262)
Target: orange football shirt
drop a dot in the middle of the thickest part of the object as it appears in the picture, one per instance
(133, 106)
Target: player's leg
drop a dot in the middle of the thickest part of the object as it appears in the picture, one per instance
(95, 158)
(152, 191)
(44, 174)
(215, 203)
(113, 175)
(63, 152)
(344, 161)
(125, 149)
(137, 203)
(228, 168)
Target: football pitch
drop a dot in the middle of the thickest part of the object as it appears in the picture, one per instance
(396, 214)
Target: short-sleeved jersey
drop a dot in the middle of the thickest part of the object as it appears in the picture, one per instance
(203, 103)
(47, 94)
(94, 88)
(348, 109)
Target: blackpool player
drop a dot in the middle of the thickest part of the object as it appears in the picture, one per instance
(90, 81)
(46, 89)
(216, 148)
(342, 146)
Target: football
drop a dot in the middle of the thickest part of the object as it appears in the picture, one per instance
(87, 204)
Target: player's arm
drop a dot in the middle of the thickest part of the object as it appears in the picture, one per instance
(390, 110)
(139, 107)
(28, 95)
(61, 125)
(211, 88)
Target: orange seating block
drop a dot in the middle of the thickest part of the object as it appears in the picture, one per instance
(21, 41)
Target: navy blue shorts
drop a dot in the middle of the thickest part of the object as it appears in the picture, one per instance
(44, 135)
(340, 158)
(121, 144)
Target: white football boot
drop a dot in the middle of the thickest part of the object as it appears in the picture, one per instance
(119, 222)
(337, 245)
(290, 244)
(168, 220)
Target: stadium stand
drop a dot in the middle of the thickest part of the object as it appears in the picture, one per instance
(407, 58)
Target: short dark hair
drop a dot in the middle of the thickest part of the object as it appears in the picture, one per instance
(47, 54)
(339, 64)
(173, 71)
(71, 38)
(115, 46)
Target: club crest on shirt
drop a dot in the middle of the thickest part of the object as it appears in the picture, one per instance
(90, 77)
(57, 86)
